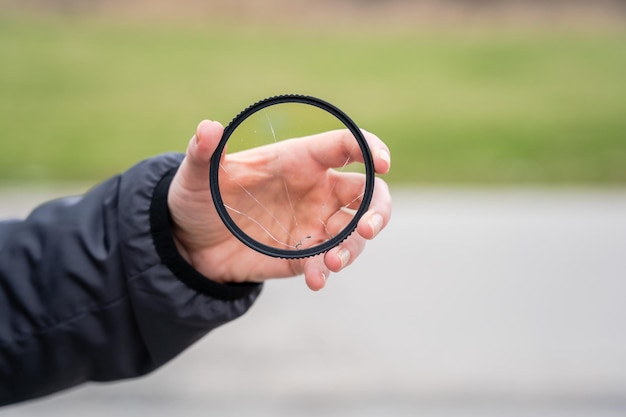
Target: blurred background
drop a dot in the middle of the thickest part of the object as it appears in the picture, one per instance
(498, 288)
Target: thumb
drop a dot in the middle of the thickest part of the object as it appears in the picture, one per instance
(195, 167)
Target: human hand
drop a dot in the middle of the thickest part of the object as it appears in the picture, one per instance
(208, 245)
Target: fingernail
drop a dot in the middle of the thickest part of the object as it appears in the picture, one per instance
(384, 155)
(196, 139)
(376, 223)
(323, 277)
(344, 256)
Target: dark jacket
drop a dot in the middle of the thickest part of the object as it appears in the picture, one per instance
(93, 289)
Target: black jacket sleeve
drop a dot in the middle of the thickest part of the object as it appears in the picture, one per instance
(93, 289)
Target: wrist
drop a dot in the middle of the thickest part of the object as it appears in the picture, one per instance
(182, 251)
(171, 251)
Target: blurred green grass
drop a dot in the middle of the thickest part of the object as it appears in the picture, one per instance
(82, 99)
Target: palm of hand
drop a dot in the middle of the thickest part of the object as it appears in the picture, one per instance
(286, 200)
(281, 196)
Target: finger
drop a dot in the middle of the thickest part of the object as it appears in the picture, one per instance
(315, 272)
(195, 167)
(338, 221)
(380, 152)
(379, 212)
(335, 149)
(339, 148)
(343, 255)
(348, 188)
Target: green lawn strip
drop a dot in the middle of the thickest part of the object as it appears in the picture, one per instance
(83, 99)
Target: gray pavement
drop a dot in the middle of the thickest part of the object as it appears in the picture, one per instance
(473, 302)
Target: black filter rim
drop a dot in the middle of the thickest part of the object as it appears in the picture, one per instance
(296, 253)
